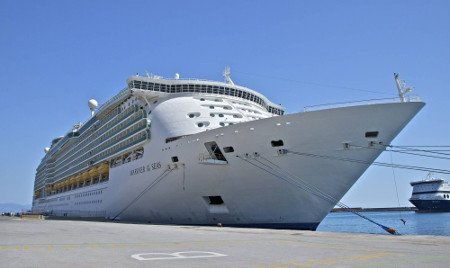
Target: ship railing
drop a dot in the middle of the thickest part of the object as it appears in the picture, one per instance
(117, 97)
(179, 79)
(360, 102)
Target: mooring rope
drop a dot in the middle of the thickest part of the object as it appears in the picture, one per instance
(309, 188)
(153, 183)
(382, 164)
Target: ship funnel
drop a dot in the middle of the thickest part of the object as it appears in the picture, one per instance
(92, 106)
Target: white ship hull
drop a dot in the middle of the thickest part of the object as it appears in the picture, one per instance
(251, 195)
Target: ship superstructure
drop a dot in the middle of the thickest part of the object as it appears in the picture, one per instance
(191, 151)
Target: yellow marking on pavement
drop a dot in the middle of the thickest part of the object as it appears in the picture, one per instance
(334, 261)
(329, 245)
(84, 246)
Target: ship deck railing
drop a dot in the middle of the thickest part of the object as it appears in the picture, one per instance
(358, 103)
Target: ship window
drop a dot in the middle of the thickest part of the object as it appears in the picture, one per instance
(215, 200)
(174, 159)
(220, 115)
(212, 115)
(211, 107)
(228, 149)
(371, 134)
(203, 124)
(192, 115)
(277, 143)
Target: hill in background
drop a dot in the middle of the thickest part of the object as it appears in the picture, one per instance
(12, 207)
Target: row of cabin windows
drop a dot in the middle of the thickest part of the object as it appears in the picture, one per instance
(88, 140)
(223, 107)
(88, 202)
(119, 147)
(89, 194)
(91, 130)
(206, 123)
(216, 100)
(105, 123)
(127, 157)
(90, 150)
(116, 148)
(193, 115)
(196, 88)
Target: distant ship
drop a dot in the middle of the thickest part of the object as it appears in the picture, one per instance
(431, 195)
(198, 152)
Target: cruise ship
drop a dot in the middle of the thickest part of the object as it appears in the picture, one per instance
(198, 152)
(431, 195)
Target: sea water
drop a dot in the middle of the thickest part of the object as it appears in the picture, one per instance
(415, 223)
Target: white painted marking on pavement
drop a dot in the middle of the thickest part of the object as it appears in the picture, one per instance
(176, 255)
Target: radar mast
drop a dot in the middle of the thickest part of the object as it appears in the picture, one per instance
(401, 87)
(227, 75)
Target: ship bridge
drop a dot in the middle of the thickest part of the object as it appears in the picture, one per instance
(161, 86)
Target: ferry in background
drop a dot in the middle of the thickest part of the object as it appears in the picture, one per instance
(431, 195)
(197, 152)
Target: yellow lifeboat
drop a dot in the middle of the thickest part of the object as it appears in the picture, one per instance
(104, 168)
(93, 172)
(85, 176)
(77, 178)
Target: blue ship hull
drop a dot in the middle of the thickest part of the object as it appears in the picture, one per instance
(431, 205)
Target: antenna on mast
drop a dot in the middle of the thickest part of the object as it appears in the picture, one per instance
(227, 75)
(401, 87)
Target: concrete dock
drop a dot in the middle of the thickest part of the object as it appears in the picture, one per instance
(61, 243)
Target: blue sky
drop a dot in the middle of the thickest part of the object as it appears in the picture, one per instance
(55, 55)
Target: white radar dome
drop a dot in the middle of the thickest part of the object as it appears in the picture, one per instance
(46, 149)
(92, 104)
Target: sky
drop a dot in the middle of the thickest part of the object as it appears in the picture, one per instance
(56, 55)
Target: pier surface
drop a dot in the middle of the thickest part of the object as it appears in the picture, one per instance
(61, 243)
